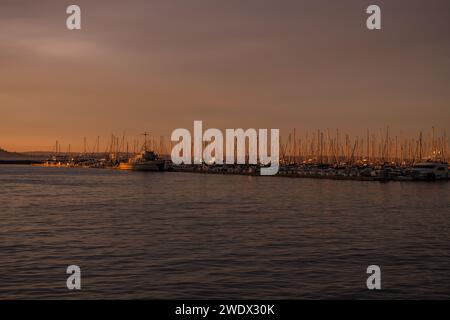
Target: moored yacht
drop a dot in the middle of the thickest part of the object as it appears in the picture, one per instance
(430, 170)
(145, 161)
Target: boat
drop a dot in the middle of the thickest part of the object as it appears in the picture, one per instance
(145, 161)
(54, 161)
(430, 170)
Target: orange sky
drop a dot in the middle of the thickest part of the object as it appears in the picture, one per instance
(160, 65)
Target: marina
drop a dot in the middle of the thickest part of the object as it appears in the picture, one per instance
(320, 155)
(224, 158)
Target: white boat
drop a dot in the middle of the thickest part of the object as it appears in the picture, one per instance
(145, 161)
(430, 170)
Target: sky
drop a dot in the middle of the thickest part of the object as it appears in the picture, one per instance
(158, 65)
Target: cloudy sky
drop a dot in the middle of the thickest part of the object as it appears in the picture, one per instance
(158, 65)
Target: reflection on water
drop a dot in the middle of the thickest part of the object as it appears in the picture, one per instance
(180, 235)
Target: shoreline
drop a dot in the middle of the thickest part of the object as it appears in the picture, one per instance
(20, 162)
(316, 177)
(37, 163)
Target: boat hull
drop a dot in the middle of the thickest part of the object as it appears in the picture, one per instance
(144, 166)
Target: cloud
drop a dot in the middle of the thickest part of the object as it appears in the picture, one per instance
(30, 40)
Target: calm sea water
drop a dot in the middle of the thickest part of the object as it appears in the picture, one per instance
(181, 235)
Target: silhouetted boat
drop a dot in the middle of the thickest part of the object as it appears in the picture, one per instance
(430, 170)
(145, 161)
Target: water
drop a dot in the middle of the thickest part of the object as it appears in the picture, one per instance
(181, 235)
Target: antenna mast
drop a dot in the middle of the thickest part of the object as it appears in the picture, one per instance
(145, 134)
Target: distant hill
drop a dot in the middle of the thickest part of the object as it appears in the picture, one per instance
(5, 155)
(12, 157)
